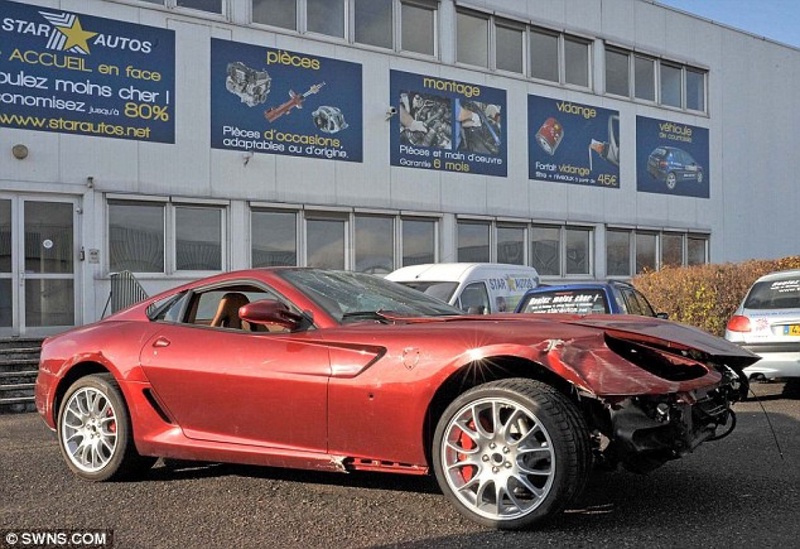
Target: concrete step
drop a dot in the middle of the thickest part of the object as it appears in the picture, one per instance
(23, 376)
(18, 390)
(18, 364)
(17, 405)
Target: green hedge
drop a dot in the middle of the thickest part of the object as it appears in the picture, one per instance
(706, 295)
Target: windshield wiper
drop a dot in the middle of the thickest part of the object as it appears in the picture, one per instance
(366, 315)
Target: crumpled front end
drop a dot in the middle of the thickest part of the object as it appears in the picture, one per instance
(649, 399)
(647, 431)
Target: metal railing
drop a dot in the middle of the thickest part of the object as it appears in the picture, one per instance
(125, 291)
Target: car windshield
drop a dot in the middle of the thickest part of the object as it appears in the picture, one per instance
(348, 295)
(439, 290)
(774, 294)
(565, 301)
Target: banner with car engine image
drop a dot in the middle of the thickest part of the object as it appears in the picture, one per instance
(573, 143)
(445, 125)
(671, 158)
(267, 100)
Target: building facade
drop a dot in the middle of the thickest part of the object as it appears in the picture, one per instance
(178, 138)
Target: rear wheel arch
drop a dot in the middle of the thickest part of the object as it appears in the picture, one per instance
(82, 369)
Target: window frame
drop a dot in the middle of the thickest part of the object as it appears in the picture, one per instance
(170, 204)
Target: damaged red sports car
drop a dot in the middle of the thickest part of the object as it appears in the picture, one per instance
(343, 371)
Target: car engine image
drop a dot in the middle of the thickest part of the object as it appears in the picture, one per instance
(250, 85)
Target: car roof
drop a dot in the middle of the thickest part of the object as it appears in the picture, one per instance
(590, 285)
(780, 275)
(458, 272)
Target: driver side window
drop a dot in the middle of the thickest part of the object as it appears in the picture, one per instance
(219, 308)
(474, 299)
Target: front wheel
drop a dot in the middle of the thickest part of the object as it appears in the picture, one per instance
(511, 453)
(94, 431)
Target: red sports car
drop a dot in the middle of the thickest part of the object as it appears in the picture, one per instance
(343, 371)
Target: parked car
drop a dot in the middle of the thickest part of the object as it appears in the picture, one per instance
(475, 288)
(671, 165)
(768, 323)
(346, 371)
(609, 297)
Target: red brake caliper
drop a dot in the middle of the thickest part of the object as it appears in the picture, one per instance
(464, 441)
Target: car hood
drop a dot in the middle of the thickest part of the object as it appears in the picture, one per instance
(668, 333)
(646, 330)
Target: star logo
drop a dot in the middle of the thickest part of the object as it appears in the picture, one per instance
(68, 34)
(76, 36)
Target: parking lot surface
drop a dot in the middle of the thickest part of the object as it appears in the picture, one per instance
(742, 491)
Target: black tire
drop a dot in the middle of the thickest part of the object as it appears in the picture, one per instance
(546, 447)
(95, 433)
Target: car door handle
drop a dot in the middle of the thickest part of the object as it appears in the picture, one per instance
(161, 342)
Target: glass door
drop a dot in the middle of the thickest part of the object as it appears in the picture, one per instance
(38, 263)
(6, 262)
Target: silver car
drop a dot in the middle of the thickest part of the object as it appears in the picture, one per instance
(768, 324)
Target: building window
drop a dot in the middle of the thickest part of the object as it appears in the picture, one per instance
(374, 22)
(198, 238)
(645, 252)
(142, 234)
(473, 241)
(136, 237)
(545, 250)
(212, 6)
(679, 85)
(374, 244)
(697, 250)
(472, 39)
(617, 72)
(511, 245)
(670, 85)
(325, 17)
(418, 23)
(695, 90)
(671, 250)
(576, 62)
(509, 47)
(278, 13)
(578, 251)
(618, 253)
(325, 243)
(644, 78)
(419, 241)
(273, 238)
(651, 251)
(544, 55)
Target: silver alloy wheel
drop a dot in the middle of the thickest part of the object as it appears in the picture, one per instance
(89, 429)
(498, 459)
(672, 180)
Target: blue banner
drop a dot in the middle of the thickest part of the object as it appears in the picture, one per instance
(572, 143)
(67, 72)
(671, 158)
(282, 102)
(440, 124)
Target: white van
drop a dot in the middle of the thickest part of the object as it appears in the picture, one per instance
(476, 288)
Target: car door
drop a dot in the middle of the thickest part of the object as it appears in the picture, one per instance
(230, 385)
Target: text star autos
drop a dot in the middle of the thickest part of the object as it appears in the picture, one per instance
(345, 371)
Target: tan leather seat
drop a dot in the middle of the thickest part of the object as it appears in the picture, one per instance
(228, 311)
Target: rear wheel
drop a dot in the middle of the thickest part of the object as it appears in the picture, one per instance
(94, 431)
(672, 180)
(511, 453)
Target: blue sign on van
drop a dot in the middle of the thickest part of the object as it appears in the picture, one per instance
(67, 72)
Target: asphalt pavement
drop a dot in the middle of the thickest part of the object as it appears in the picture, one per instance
(742, 491)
